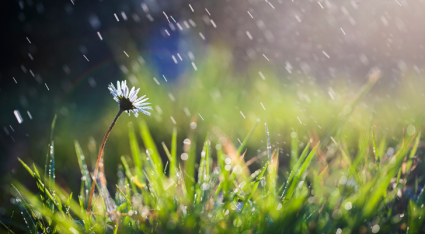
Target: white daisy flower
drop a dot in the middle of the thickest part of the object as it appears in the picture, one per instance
(128, 100)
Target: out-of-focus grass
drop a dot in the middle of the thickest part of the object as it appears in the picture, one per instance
(223, 97)
(334, 160)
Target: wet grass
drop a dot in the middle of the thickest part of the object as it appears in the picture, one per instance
(345, 176)
(226, 197)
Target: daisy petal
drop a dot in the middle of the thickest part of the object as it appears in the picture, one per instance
(134, 96)
(140, 98)
(144, 112)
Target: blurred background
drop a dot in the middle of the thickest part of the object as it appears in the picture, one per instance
(296, 64)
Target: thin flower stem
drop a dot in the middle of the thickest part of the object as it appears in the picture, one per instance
(99, 156)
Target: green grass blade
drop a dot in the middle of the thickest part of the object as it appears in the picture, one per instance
(130, 175)
(272, 173)
(288, 195)
(52, 128)
(384, 180)
(135, 151)
(189, 168)
(7, 228)
(255, 185)
(295, 168)
(86, 183)
(207, 159)
(37, 178)
(52, 172)
(151, 147)
(35, 203)
(269, 147)
(173, 163)
(376, 151)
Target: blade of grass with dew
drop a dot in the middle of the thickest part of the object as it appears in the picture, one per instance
(170, 159)
(376, 151)
(135, 151)
(7, 228)
(189, 168)
(167, 152)
(37, 178)
(202, 171)
(73, 206)
(125, 196)
(34, 201)
(155, 182)
(165, 168)
(255, 185)
(385, 180)
(27, 212)
(183, 186)
(269, 151)
(295, 168)
(154, 162)
(207, 155)
(28, 219)
(52, 128)
(67, 205)
(272, 173)
(269, 147)
(84, 172)
(52, 172)
(48, 193)
(134, 182)
(224, 174)
(49, 153)
(173, 163)
(151, 147)
(288, 195)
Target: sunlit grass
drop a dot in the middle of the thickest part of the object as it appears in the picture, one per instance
(350, 193)
(246, 155)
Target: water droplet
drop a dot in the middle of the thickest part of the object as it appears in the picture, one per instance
(237, 169)
(375, 228)
(237, 222)
(184, 156)
(187, 141)
(348, 206)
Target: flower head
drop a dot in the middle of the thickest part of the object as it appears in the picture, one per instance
(128, 100)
